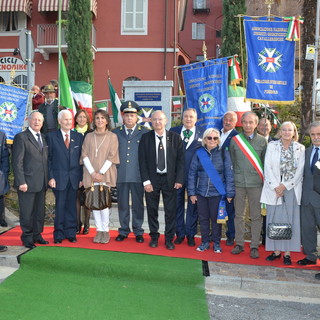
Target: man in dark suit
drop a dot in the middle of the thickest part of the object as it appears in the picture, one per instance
(49, 109)
(191, 136)
(310, 200)
(161, 160)
(228, 131)
(65, 175)
(128, 177)
(30, 168)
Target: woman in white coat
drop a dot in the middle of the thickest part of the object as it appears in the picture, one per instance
(283, 173)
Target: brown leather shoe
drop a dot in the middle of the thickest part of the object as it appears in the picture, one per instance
(254, 253)
(237, 249)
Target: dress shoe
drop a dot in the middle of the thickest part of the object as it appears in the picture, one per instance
(237, 249)
(153, 243)
(305, 262)
(73, 240)
(230, 242)
(41, 241)
(79, 228)
(139, 239)
(191, 242)
(273, 256)
(85, 230)
(3, 223)
(57, 241)
(179, 240)
(287, 260)
(120, 237)
(169, 245)
(254, 253)
(3, 248)
(30, 245)
(317, 276)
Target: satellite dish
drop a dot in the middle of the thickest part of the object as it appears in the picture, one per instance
(24, 37)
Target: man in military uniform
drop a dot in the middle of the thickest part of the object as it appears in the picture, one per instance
(128, 178)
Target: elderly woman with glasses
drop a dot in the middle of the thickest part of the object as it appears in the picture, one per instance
(210, 178)
(283, 175)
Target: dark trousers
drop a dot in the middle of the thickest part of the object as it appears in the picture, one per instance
(2, 213)
(208, 212)
(186, 226)
(32, 211)
(169, 196)
(136, 190)
(65, 220)
(230, 223)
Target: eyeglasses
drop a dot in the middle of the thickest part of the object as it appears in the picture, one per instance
(212, 138)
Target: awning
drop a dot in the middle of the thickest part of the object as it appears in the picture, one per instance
(53, 5)
(16, 5)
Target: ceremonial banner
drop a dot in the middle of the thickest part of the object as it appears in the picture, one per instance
(13, 106)
(270, 62)
(206, 86)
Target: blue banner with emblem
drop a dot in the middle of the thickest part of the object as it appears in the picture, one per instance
(206, 87)
(13, 106)
(270, 62)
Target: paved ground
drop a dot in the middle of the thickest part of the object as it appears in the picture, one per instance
(234, 291)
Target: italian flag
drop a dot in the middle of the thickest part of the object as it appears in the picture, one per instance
(65, 94)
(82, 94)
(176, 101)
(116, 103)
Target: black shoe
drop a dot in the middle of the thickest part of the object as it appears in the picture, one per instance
(139, 239)
(153, 243)
(169, 245)
(57, 241)
(41, 241)
(273, 256)
(305, 262)
(3, 223)
(3, 248)
(287, 260)
(79, 228)
(230, 242)
(85, 230)
(73, 240)
(120, 237)
(179, 240)
(30, 245)
(317, 276)
(191, 242)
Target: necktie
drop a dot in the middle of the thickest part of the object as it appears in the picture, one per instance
(39, 140)
(161, 160)
(129, 133)
(187, 134)
(67, 141)
(314, 159)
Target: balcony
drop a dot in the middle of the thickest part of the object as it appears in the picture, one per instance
(47, 39)
(201, 6)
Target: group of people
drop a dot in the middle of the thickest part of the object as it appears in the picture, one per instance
(217, 170)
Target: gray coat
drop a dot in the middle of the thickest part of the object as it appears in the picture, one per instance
(128, 169)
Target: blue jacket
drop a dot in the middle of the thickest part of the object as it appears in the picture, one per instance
(199, 182)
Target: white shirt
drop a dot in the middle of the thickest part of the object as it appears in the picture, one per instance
(191, 138)
(64, 135)
(35, 134)
(129, 128)
(224, 136)
(164, 143)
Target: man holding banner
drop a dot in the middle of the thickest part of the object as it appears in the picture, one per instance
(247, 152)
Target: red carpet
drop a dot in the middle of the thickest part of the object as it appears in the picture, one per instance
(12, 238)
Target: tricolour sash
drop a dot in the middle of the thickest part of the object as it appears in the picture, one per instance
(250, 153)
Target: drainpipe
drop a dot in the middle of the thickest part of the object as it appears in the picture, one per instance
(165, 41)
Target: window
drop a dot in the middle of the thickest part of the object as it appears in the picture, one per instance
(12, 21)
(134, 17)
(20, 81)
(199, 4)
(198, 31)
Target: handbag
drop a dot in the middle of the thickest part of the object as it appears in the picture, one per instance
(280, 231)
(98, 197)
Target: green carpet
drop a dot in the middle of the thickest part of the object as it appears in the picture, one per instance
(72, 283)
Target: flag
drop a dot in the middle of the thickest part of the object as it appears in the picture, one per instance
(115, 101)
(235, 73)
(82, 94)
(102, 105)
(176, 101)
(65, 94)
